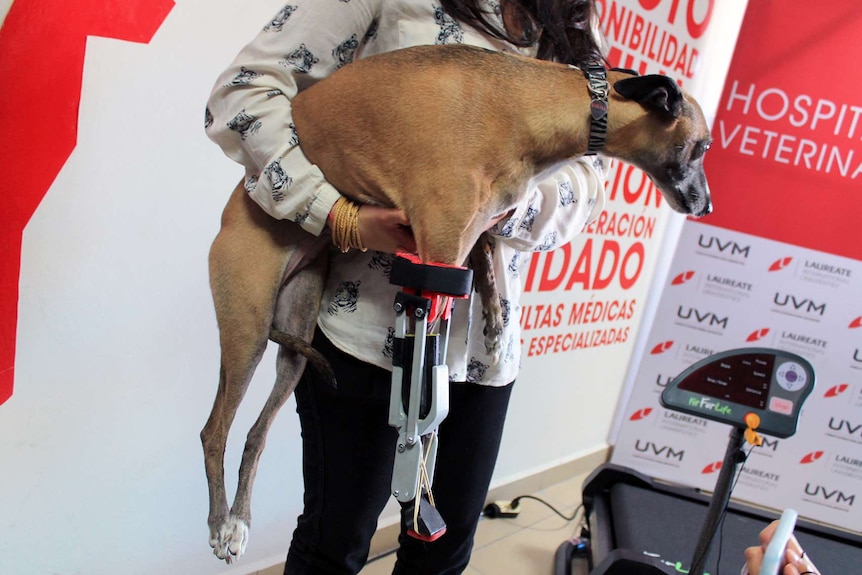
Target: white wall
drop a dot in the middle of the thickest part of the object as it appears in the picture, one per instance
(117, 353)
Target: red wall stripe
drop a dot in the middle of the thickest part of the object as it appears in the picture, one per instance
(42, 45)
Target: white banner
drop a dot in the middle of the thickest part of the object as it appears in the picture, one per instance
(585, 302)
(728, 290)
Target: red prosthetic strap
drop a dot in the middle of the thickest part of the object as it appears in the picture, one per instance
(452, 282)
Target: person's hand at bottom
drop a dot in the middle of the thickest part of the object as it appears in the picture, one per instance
(796, 560)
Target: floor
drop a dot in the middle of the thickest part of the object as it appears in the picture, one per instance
(521, 545)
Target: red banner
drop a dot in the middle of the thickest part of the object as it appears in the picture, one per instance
(786, 163)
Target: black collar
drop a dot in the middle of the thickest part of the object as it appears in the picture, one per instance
(597, 77)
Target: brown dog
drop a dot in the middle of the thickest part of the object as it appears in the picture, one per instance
(457, 133)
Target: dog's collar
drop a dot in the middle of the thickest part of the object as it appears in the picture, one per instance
(597, 79)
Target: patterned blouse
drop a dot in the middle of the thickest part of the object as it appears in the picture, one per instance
(249, 116)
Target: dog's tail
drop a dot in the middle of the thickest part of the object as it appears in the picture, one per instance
(303, 348)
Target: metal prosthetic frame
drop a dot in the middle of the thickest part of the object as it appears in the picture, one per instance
(419, 398)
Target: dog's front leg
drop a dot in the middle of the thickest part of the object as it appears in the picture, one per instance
(484, 279)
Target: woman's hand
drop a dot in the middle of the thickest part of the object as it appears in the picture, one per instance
(385, 230)
(796, 561)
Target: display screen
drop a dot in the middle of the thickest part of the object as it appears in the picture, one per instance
(742, 379)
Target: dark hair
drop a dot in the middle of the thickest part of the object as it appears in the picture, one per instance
(563, 28)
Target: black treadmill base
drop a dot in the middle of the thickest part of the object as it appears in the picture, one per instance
(636, 523)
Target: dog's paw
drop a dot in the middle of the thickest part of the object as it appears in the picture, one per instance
(230, 540)
(493, 348)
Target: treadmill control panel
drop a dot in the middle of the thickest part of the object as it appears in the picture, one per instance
(725, 387)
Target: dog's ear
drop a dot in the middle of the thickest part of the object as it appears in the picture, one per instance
(654, 91)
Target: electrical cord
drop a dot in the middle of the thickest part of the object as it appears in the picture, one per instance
(517, 500)
(724, 513)
(492, 510)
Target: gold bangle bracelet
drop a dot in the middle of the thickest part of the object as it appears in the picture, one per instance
(345, 225)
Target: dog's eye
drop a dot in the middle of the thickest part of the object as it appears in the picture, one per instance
(699, 150)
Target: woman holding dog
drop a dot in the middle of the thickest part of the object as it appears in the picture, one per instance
(348, 446)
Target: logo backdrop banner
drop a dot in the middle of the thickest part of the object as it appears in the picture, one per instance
(777, 265)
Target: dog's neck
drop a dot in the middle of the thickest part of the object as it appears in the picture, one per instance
(563, 124)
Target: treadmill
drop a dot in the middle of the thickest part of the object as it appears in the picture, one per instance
(637, 525)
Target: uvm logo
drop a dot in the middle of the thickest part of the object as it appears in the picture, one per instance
(768, 444)
(663, 452)
(845, 428)
(779, 265)
(834, 498)
(702, 320)
(729, 250)
(797, 306)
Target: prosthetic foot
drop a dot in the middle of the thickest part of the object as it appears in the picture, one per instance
(419, 398)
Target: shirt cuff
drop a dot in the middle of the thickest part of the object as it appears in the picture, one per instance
(318, 213)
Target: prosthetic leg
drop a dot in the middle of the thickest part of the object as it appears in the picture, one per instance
(419, 398)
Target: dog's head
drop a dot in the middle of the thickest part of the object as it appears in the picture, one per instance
(667, 139)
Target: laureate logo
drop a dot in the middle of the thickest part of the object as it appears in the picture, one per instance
(640, 414)
(828, 497)
(798, 306)
(850, 394)
(683, 423)
(802, 342)
(824, 273)
(757, 334)
(856, 323)
(761, 479)
(845, 465)
(692, 353)
(661, 347)
(726, 287)
(726, 250)
(664, 454)
(811, 457)
(749, 476)
(780, 264)
(682, 278)
(702, 320)
(836, 390)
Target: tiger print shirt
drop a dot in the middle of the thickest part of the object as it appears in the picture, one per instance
(248, 114)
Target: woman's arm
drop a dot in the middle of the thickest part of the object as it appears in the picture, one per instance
(249, 114)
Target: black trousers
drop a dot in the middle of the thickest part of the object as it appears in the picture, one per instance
(348, 453)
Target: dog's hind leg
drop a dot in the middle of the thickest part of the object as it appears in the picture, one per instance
(294, 323)
(248, 259)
